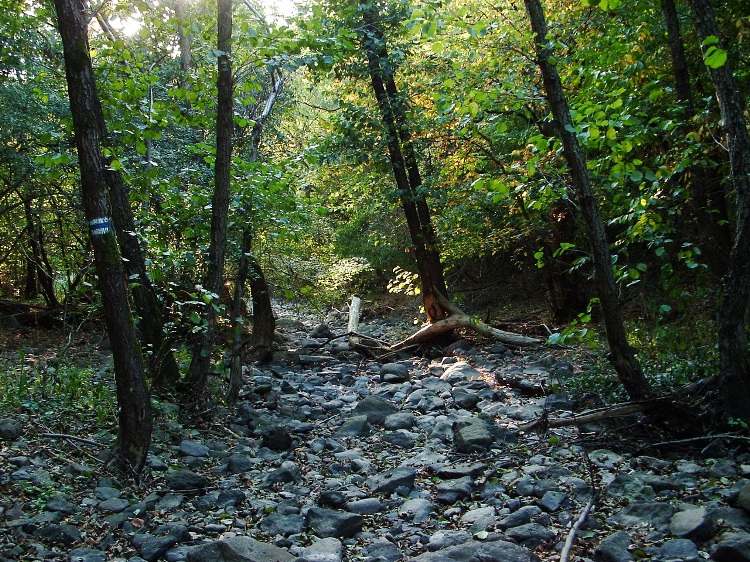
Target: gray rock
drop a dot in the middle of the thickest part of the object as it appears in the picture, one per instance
(416, 510)
(472, 435)
(322, 331)
(466, 400)
(316, 360)
(614, 548)
(394, 373)
(520, 517)
(239, 549)
(367, 506)
(657, 514)
(604, 458)
(451, 491)
(475, 551)
(461, 371)
(10, 429)
(58, 534)
(356, 426)
(170, 502)
(679, 550)
(154, 548)
(87, 555)
(743, 499)
(332, 498)
(193, 449)
(553, 500)
(185, 480)
(384, 550)
(375, 408)
(401, 438)
(229, 498)
(288, 472)
(390, 481)
(330, 523)
(277, 439)
(239, 463)
(723, 468)
(59, 503)
(692, 524)
(448, 538)
(328, 549)
(282, 524)
(114, 505)
(399, 420)
(462, 469)
(732, 547)
(530, 535)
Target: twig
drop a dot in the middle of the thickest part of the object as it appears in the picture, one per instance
(73, 438)
(565, 554)
(742, 438)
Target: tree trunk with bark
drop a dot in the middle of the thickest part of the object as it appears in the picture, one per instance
(404, 164)
(201, 359)
(135, 422)
(734, 359)
(679, 60)
(162, 365)
(622, 355)
(40, 274)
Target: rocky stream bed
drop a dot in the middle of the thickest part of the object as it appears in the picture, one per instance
(331, 457)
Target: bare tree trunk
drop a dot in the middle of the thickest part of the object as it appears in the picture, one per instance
(40, 273)
(186, 48)
(404, 165)
(677, 51)
(734, 359)
(135, 421)
(201, 360)
(622, 356)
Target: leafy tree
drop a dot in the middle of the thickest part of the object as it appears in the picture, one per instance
(200, 362)
(735, 299)
(135, 421)
(622, 355)
(404, 164)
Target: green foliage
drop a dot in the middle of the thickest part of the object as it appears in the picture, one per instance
(579, 331)
(56, 391)
(713, 55)
(404, 282)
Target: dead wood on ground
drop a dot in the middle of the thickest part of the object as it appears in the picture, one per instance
(458, 319)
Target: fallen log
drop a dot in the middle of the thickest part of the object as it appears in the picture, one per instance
(463, 320)
(599, 414)
(371, 347)
(658, 404)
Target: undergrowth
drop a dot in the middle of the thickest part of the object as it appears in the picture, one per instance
(670, 355)
(57, 392)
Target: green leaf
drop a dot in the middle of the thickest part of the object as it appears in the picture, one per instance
(715, 57)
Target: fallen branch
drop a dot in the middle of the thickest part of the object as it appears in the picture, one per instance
(73, 438)
(597, 415)
(727, 436)
(565, 553)
(463, 320)
(458, 319)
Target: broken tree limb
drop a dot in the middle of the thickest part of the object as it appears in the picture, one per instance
(568, 547)
(371, 347)
(354, 310)
(463, 320)
(483, 328)
(599, 414)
